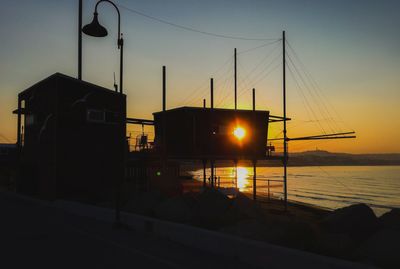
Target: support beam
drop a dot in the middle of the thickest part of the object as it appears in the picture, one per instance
(212, 173)
(236, 173)
(139, 121)
(204, 173)
(254, 180)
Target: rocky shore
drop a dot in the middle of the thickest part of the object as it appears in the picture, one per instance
(353, 233)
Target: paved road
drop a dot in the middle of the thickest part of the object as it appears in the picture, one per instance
(38, 236)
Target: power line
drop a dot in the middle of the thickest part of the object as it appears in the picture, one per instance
(193, 29)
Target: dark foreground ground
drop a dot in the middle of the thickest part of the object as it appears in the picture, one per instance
(38, 236)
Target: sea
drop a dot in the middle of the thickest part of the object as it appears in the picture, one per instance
(329, 187)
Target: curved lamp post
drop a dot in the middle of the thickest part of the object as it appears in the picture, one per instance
(97, 30)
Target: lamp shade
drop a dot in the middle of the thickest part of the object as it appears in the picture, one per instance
(94, 28)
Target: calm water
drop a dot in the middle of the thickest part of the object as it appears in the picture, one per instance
(329, 186)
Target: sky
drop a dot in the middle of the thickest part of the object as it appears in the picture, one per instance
(342, 67)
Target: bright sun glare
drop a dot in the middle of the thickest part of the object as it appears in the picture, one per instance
(239, 132)
(242, 178)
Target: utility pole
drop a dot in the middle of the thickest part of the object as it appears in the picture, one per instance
(235, 77)
(164, 88)
(285, 153)
(212, 92)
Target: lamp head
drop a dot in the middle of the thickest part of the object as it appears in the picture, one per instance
(94, 28)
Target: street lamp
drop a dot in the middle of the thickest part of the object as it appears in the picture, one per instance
(97, 30)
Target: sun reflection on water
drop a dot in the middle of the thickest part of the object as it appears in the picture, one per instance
(243, 181)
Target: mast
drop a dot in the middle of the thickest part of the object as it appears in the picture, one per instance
(235, 77)
(212, 92)
(285, 153)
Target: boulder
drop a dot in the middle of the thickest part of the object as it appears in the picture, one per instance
(144, 203)
(175, 209)
(357, 221)
(241, 208)
(391, 219)
(381, 249)
(255, 230)
(335, 244)
(298, 233)
(246, 206)
(210, 208)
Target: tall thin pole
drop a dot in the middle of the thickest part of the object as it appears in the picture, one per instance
(164, 88)
(254, 99)
(235, 77)
(19, 126)
(80, 41)
(212, 92)
(285, 153)
(204, 173)
(121, 65)
(212, 173)
(236, 173)
(204, 103)
(254, 180)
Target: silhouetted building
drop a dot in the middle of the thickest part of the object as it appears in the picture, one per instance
(72, 139)
(205, 133)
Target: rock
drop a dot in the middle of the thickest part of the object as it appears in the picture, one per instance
(145, 203)
(246, 206)
(335, 244)
(255, 230)
(357, 221)
(298, 233)
(210, 208)
(175, 209)
(391, 219)
(381, 249)
(241, 208)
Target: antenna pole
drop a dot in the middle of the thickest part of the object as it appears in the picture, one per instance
(285, 152)
(254, 99)
(235, 76)
(212, 92)
(164, 87)
(80, 41)
(115, 84)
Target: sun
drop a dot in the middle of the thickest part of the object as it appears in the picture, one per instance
(239, 132)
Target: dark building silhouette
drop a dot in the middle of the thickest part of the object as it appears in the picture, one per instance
(208, 133)
(72, 139)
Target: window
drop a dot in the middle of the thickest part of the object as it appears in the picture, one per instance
(102, 116)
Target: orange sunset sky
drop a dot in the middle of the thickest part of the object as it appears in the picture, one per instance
(343, 61)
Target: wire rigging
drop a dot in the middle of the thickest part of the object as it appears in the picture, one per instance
(324, 101)
(192, 29)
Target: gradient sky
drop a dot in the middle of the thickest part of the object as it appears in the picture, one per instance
(350, 48)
